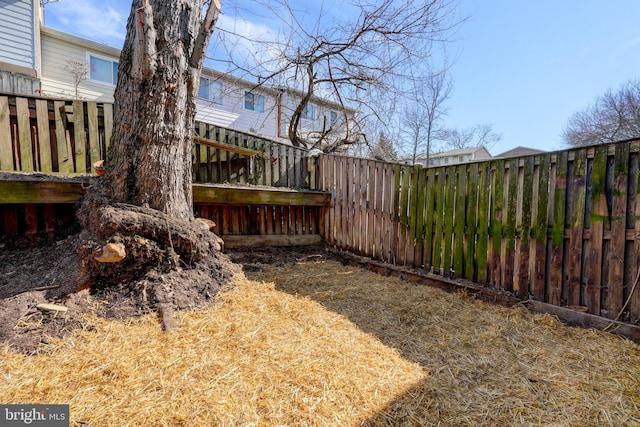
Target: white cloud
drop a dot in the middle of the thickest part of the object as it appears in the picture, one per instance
(90, 19)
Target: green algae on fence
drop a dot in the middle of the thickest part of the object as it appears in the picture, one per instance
(495, 231)
(559, 186)
(429, 214)
(482, 247)
(459, 221)
(523, 226)
(509, 225)
(539, 226)
(615, 259)
(448, 220)
(576, 194)
(598, 217)
(470, 229)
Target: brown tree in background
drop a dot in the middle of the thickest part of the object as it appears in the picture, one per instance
(614, 116)
(367, 56)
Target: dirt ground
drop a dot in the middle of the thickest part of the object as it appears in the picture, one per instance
(29, 277)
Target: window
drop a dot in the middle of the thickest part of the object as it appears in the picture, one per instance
(446, 160)
(460, 159)
(210, 90)
(333, 117)
(254, 102)
(103, 70)
(310, 112)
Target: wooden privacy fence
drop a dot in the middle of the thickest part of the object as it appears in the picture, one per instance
(45, 135)
(561, 228)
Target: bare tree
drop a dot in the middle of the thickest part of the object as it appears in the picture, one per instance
(481, 135)
(367, 61)
(421, 118)
(614, 116)
(79, 72)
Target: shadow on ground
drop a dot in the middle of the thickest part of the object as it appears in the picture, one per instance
(487, 365)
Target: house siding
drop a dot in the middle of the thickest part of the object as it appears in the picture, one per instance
(56, 55)
(232, 114)
(17, 33)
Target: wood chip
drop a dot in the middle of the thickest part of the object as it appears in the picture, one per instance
(51, 307)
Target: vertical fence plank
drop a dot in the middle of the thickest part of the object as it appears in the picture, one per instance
(370, 207)
(495, 224)
(65, 160)
(439, 221)
(471, 222)
(107, 110)
(459, 221)
(615, 261)
(368, 183)
(576, 195)
(6, 146)
(27, 160)
(557, 228)
(598, 217)
(509, 225)
(482, 246)
(634, 297)
(394, 200)
(44, 139)
(420, 186)
(354, 204)
(449, 204)
(539, 226)
(79, 137)
(385, 211)
(92, 127)
(429, 214)
(524, 228)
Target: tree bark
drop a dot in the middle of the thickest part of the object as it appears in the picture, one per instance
(143, 205)
(149, 161)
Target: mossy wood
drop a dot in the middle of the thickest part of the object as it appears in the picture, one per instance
(559, 189)
(41, 190)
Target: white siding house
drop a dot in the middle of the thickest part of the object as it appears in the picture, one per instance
(67, 66)
(451, 157)
(237, 104)
(19, 46)
(18, 32)
(63, 53)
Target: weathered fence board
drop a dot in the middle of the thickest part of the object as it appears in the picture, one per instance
(560, 228)
(44, 135)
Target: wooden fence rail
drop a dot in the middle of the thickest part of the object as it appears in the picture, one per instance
(37, 208)
(45, 135)
(561, 228)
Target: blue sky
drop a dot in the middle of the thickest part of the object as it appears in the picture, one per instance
(522, 66)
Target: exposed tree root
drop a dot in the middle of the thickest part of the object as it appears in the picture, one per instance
(168, 263)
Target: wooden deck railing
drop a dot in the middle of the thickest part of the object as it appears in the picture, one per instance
(45, 135)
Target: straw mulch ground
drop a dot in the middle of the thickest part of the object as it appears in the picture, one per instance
(317, 343)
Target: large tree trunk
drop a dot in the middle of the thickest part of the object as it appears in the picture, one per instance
(139, 231)
(149, 162)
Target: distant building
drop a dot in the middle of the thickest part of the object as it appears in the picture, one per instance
(519, 152)
(451, 157)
